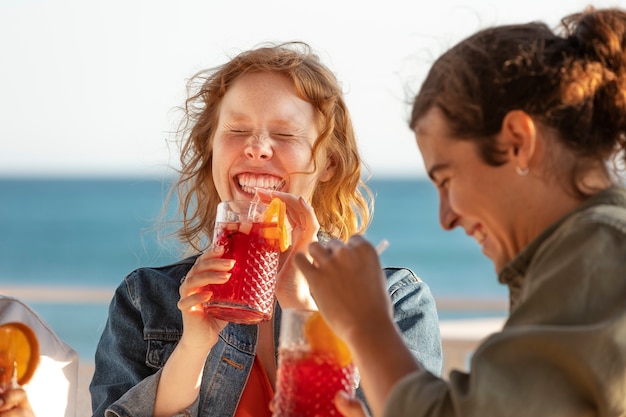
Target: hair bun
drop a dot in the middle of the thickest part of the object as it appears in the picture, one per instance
(599, 35)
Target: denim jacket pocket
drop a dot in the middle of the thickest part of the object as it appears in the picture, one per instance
(160, 347)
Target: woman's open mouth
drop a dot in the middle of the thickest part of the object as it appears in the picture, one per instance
(250, 182)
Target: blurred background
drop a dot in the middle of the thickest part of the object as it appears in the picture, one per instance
(88, 98)
(89, 87)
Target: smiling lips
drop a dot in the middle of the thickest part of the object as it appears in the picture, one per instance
(250, 182)
(479, 235)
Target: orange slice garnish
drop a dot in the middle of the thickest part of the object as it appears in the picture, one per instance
(322, 339)
(277, 209)
(19, 346)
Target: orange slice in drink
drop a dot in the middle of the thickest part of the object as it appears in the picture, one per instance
(19, 346)
(277, 209)
(323, 339)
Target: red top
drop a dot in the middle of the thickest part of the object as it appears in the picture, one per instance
(256, 397)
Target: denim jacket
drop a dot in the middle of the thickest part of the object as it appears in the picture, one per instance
(144, 325)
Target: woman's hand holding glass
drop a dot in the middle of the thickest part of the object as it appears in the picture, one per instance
(292, 290)
(179, 384)
(200, 329)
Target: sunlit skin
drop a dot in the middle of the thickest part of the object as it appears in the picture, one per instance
(496, 206)
(262, 148)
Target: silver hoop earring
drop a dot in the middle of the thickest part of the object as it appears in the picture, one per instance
(522, 172)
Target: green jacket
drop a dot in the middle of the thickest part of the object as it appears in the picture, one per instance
(562, 351)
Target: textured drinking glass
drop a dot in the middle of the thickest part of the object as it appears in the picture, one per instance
(309, 377)
(252, 241)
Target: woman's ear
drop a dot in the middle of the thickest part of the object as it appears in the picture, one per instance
(518, 137)
(328, 171)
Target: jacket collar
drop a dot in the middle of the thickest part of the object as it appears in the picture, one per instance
(513, 274)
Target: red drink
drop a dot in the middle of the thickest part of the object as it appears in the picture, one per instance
(248, 296)
(308, 382)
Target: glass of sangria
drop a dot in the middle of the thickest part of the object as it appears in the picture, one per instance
(313, 365)
(253, 234)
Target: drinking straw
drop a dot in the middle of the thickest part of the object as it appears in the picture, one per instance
(382, 245)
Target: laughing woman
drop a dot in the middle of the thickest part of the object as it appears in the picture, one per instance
(273, 119)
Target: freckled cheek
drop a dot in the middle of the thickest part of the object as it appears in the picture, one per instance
(225, 155)
(223, 148)
(223, 160)
(297, 158)
(222, 185)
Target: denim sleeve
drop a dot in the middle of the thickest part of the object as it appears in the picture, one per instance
(139, 401)
(126, 377)
(415, 314)
(120, 354)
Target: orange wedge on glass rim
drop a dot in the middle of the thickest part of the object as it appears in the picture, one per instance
(19, 347)
(277, 209)
(322, 339)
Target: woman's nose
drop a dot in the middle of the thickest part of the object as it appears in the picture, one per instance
(259, 147)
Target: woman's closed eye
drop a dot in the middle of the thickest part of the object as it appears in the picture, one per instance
(270, 134)
(283, 135)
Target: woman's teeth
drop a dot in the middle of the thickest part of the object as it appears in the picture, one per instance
(250, 183)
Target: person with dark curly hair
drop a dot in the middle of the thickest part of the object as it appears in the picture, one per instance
(522, 130)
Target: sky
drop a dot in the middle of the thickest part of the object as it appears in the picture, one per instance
(90, 88)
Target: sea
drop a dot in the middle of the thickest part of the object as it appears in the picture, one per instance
(62, 235)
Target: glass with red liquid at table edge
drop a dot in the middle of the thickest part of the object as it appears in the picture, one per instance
(253, 234)
(313, 366)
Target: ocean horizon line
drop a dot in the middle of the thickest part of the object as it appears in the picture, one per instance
(152, 175)
(74, 294)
